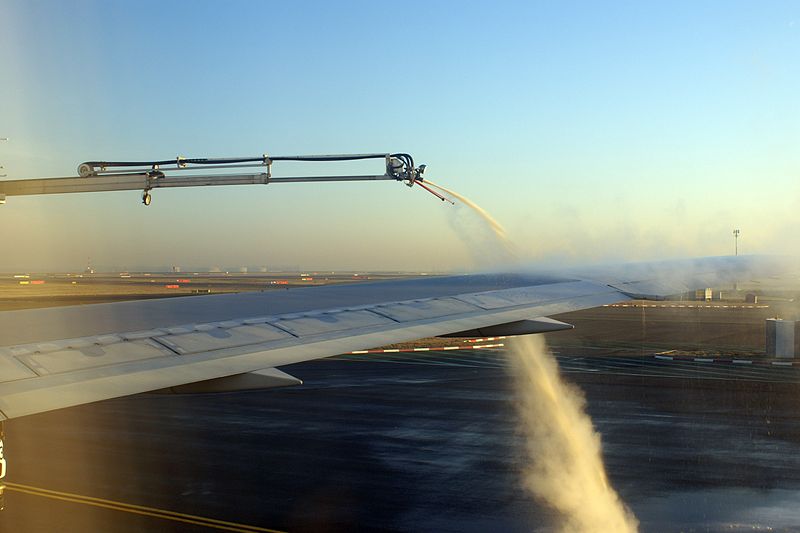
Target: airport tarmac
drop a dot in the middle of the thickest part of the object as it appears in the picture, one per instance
(410, 442)
(32, 290)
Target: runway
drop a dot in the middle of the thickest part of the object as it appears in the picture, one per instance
(421, 441)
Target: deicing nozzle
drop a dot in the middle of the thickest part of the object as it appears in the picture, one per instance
(436, 194)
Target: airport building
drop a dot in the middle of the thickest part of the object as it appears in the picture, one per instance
(782, 338)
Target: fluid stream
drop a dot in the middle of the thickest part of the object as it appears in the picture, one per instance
(497, 230)
(565, 463)
(563, 454)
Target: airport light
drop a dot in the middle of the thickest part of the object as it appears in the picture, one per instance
(3, 199)
(736, 233)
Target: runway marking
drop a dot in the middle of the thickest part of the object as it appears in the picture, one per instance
(694, 306)
(427, 349)
(164, 514)
(721, 359)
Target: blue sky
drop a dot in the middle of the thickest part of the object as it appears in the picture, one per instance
(592, 131)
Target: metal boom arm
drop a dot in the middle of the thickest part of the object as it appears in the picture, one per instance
(148, 175)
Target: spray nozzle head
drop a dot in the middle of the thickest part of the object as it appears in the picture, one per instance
(401, 167)
(415, 176)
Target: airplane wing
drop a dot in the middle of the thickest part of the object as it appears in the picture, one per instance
(60, 357)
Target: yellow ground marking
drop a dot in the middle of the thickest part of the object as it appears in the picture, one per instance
(138, 509)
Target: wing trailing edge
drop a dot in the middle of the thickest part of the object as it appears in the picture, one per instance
(268, 378)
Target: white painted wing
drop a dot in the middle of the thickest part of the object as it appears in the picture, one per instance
(61, 357)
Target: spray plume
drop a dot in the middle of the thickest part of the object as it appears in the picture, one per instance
(566, 468)
(497, 229)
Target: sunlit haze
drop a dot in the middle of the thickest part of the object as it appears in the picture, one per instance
(590, 131)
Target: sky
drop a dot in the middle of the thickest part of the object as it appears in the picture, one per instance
(592, 131)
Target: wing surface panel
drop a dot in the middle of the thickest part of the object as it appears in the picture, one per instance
(527, 295)
(424, 309)
(70, 359)
(214, 337)
(319, 323)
